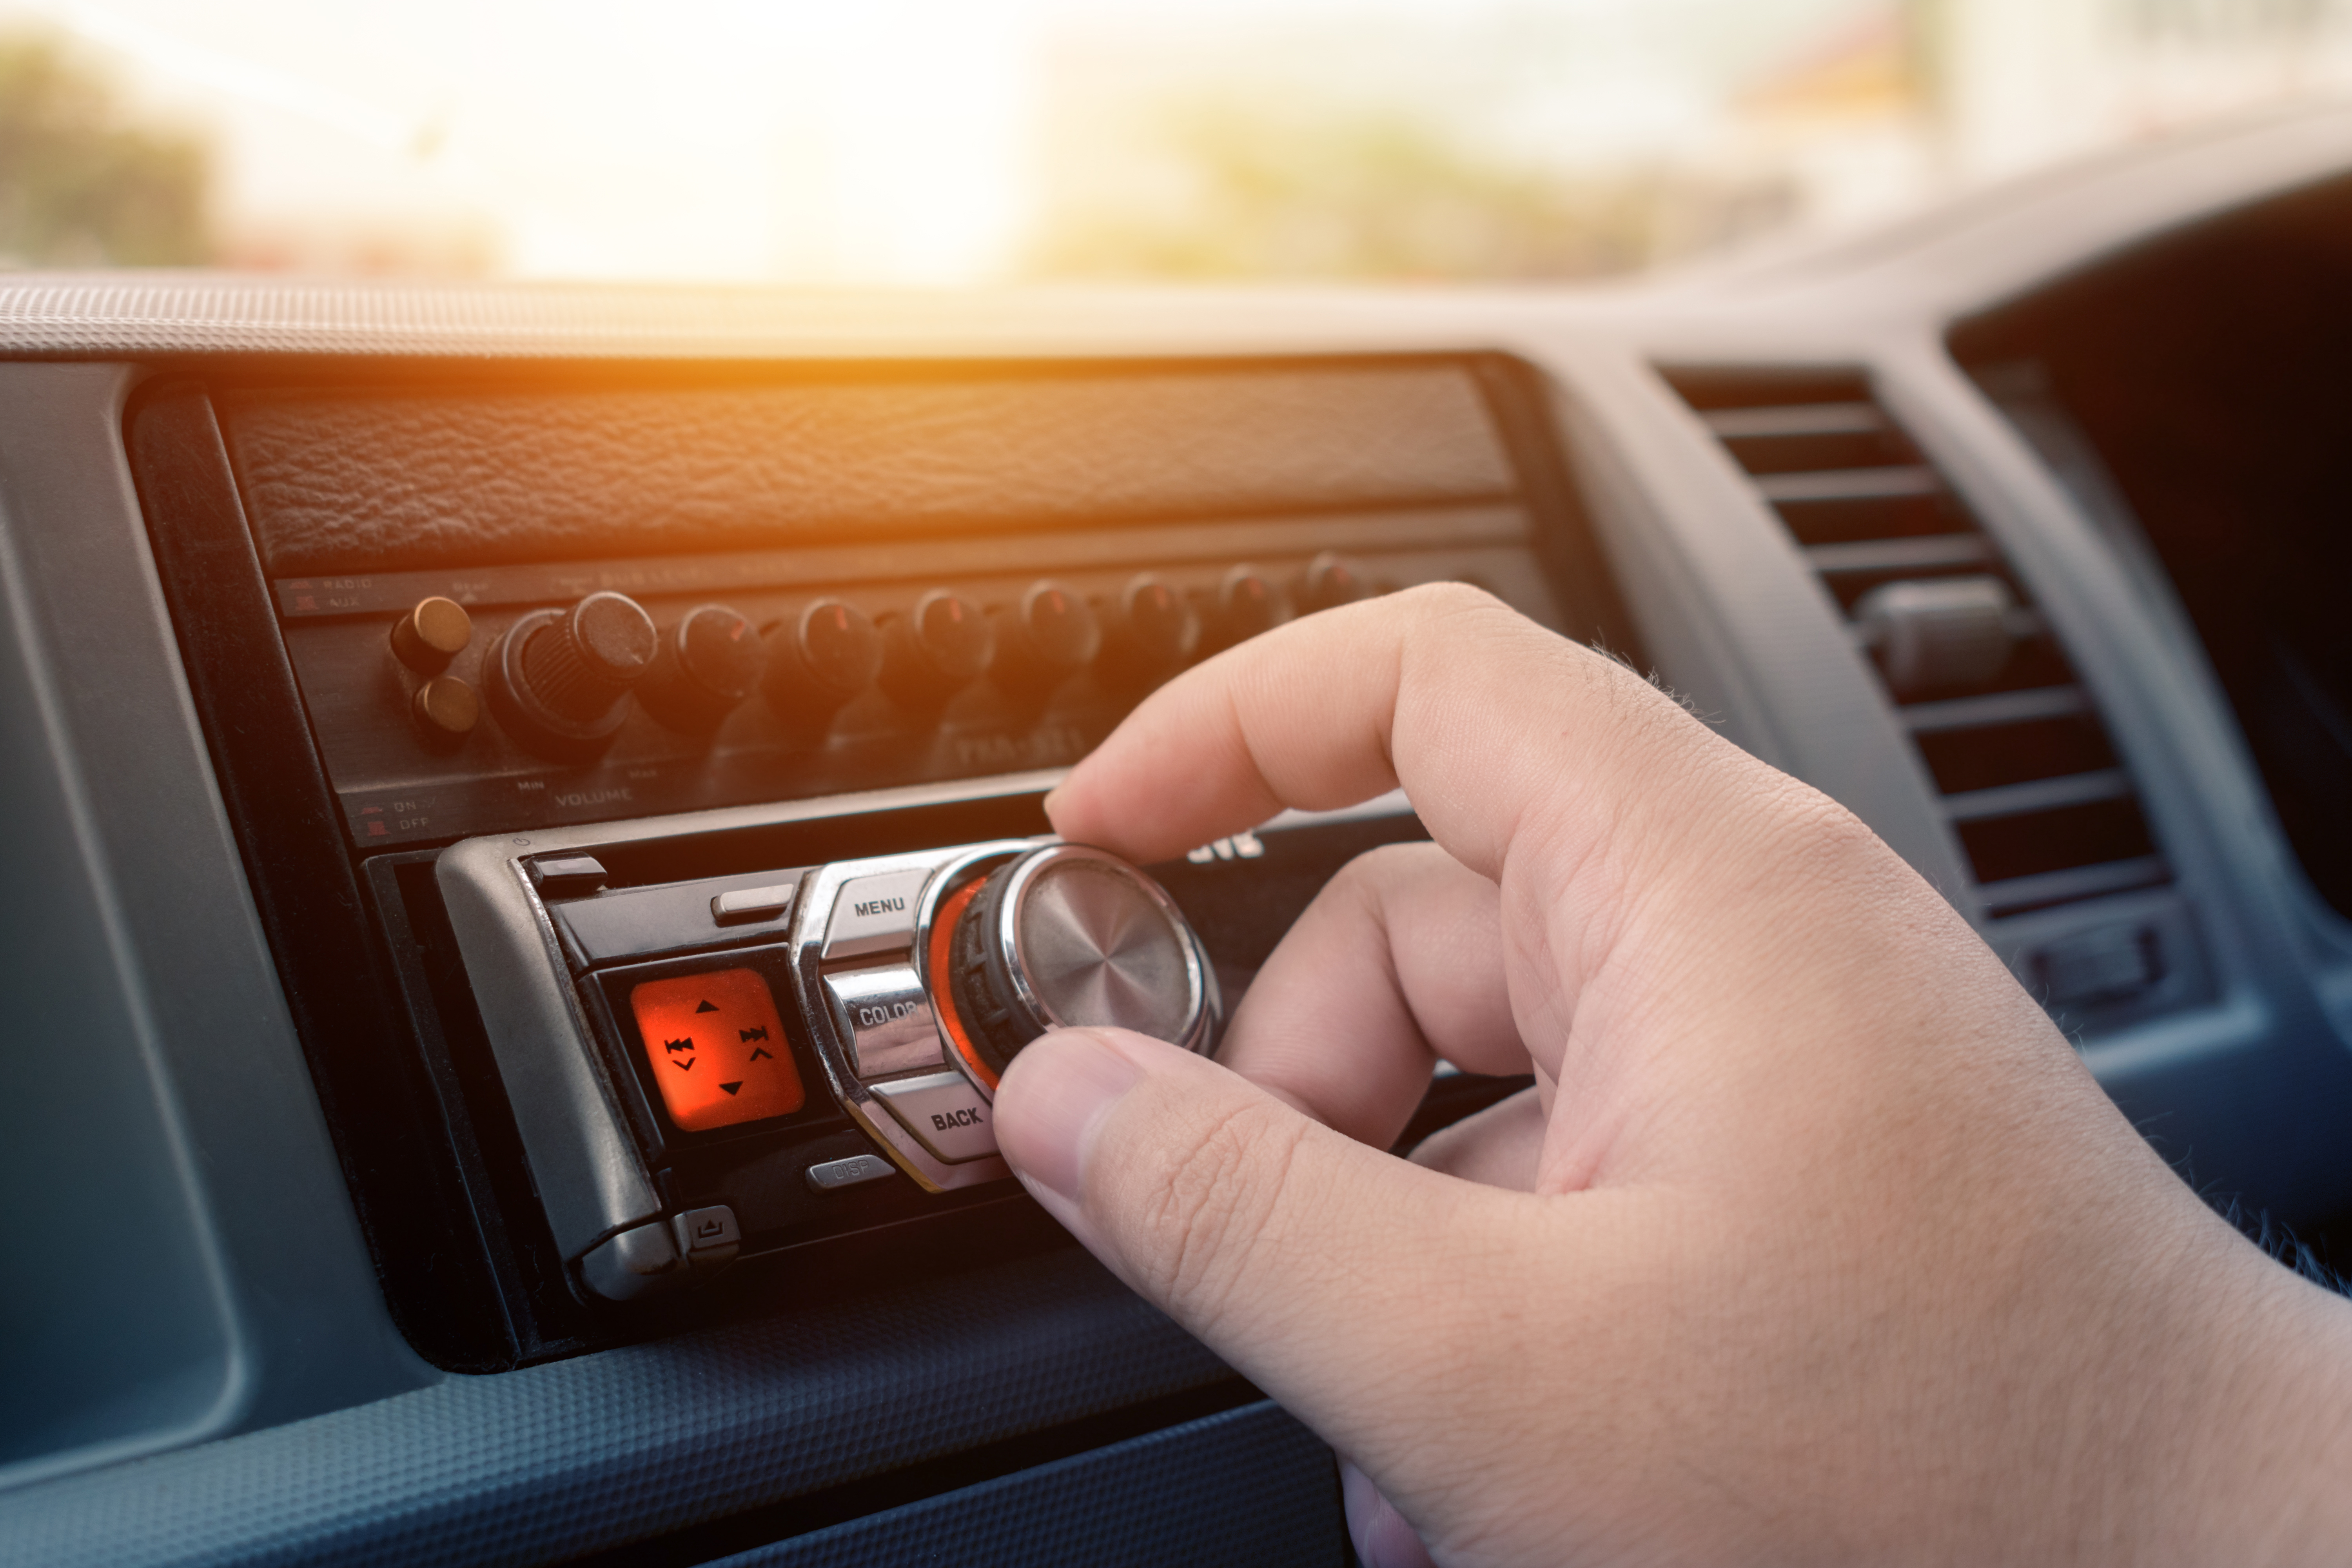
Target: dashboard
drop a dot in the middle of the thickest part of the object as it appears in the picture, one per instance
(424, 704)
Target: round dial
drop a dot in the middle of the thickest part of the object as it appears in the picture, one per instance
(1051, 636)
(936, 649)
(1070, 935)
(1331, 581)
(827, 656)
(1154, 630)
(558, 679)
(708, 662)
(583, 663)
(432, 632)
(1246, 604)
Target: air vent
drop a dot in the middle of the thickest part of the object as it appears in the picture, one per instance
(2034, 791)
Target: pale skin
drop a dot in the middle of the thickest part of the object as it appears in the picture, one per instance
(1814, 1242)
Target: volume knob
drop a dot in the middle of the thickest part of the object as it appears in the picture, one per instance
(584, 663)
(1070, 935)
(559, 677)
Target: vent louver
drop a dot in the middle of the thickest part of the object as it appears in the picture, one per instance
(2040, 802)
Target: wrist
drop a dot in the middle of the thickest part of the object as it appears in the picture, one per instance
(2251, 1426)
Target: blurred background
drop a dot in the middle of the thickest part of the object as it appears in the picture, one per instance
(960, 141)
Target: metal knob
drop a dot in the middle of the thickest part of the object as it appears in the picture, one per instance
(827, 657)
(584, 662)
(1071, 935)
(935, 650)
(1050, 635)
(1154, 632)
(434, 631)
(1246, 604)
(559, 678)
(708, 662)
(1329, 582)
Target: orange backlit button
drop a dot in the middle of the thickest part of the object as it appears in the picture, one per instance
(717, 1049)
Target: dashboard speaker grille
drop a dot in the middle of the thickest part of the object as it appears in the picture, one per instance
(2044, 808)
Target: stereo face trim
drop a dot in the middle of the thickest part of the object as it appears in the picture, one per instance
(676, 1050)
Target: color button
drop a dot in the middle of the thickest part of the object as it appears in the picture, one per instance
(889, 1013)
(717, 1049)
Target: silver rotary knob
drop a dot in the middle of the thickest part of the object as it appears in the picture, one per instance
(1071, 935)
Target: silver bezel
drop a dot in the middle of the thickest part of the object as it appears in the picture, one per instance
(1199, 977)
(829, 1030)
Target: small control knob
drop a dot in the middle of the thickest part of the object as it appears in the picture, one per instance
(1050, 635)
(432, 632)
(708, 663)
(1246, 604)
(557, 678)
(1154, 631)
(935, 650)
(1329, 582)
(1070, 935)
(827, 655)
(445, 710)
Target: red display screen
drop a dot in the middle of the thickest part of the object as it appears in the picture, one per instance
(717, 1049)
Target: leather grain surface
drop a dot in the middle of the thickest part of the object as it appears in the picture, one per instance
(352, 482)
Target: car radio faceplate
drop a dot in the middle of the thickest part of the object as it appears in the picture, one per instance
(713, 1065)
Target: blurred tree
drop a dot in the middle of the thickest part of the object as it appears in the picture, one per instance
(80, 183)
(1245, 193)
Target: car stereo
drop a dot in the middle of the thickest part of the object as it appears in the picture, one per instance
(640, 769)
(714, 1065)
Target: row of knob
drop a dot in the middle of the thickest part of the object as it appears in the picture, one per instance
(561, 680)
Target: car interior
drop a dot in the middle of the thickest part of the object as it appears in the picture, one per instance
(442, 716)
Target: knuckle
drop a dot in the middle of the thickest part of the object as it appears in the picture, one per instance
(1367, 880)
(1449, 598)
(1822, 831)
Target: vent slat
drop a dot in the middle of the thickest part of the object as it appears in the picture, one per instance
(2044, 810)
(1803, 419)
(1998, 708)
(1849, 484)
(2020, 893)
(1926, 553)
(2037, 794)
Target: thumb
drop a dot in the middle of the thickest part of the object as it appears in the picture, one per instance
(1324, 1270)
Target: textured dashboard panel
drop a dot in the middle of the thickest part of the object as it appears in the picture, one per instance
(544, 1464)
(1136, 1504)
(376, 483)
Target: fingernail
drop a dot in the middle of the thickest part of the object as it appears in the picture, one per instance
(1067, 1081)
(1051, 796)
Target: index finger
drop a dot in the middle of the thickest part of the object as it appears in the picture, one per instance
(1483, 716)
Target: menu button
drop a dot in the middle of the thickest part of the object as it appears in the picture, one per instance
(874, 914)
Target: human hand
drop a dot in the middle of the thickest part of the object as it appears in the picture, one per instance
(1815, 1241)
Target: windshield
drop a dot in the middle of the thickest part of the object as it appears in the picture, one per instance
(982, 142)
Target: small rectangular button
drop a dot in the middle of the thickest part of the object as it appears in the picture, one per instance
(709, 1236)
(945, 1112)
(567, 875)
(890, 1026)
(743, 906)
(856, 1171)
(874, 914)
